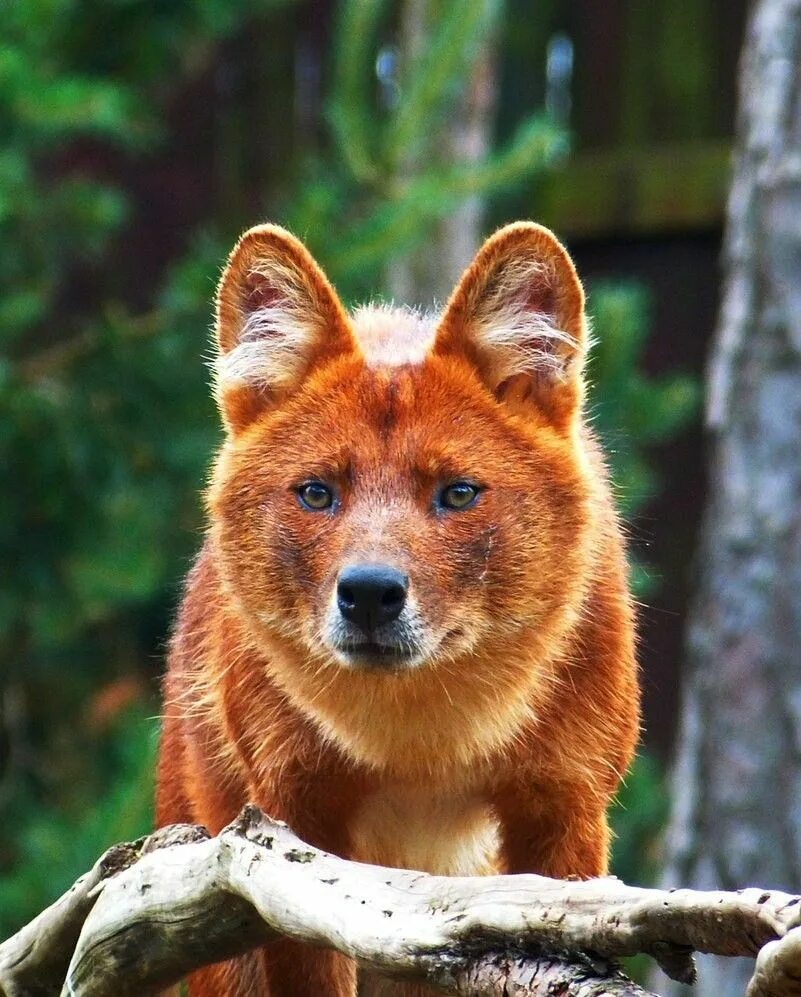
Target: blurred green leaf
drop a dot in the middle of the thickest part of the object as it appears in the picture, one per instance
(638, 817)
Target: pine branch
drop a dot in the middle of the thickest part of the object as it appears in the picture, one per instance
(399, 223)
(441, 68)
(351, 116)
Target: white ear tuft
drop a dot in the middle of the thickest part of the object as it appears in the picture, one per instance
(273, 343)
(277, 316)
(514, 325)
(518, 316)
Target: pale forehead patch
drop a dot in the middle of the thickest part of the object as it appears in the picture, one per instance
(390, 336)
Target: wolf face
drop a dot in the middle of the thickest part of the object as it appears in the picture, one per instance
(400, 495)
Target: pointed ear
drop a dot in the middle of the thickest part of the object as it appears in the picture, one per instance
(277, 317)
(517, 315)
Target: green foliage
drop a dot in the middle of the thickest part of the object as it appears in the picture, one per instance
(60, 844)
(433, 78)
(631, 410)
(351, 114)
(107, 423)
(637, 816)
(370, 199)
(101, 491)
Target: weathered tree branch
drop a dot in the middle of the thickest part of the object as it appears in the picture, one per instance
(778, 968)
(150, 912)
(34, 961)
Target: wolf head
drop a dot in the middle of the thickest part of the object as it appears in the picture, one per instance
(402, 495)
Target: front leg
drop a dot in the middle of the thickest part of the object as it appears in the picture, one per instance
(294, 969)
(297, 970)
(280, 969)
(318, 811)
(285, 968)
(554, 830)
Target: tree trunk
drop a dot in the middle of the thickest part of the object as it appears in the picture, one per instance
(737, 778)
(428, 277)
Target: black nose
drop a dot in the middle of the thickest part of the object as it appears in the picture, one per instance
(371, 594)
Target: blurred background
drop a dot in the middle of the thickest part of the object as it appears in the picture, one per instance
(139, 137)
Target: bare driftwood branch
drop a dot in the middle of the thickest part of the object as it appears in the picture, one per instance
(149, 913)
(34, 961)
(778, 968)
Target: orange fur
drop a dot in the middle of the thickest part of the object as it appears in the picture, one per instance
(499, 742)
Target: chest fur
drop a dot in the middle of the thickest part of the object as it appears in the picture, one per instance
(448, 833)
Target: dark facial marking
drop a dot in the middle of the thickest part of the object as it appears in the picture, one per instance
(474, 556)
(389, 413)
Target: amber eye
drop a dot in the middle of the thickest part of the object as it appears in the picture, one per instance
(458, 495)
(316, 496)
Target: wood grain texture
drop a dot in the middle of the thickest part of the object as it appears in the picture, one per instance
(168, 908)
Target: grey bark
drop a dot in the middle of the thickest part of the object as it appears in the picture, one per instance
(737, 777)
